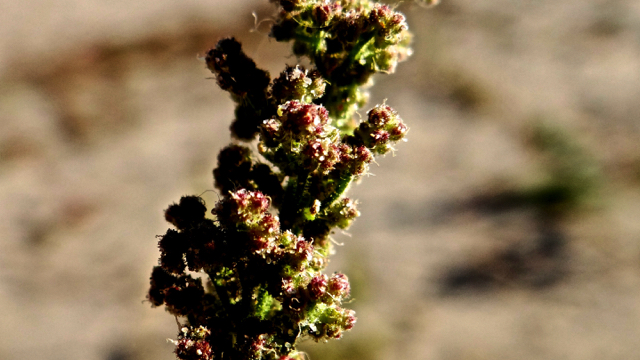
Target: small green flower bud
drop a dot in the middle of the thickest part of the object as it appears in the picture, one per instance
(296, 83)
(342, 213)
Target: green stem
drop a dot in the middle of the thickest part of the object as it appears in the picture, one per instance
(294, 200)
(357, 49)
(343, 184)
(223, 295)
(303, 178)
(343, 69)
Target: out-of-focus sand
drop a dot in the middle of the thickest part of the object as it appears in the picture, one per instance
(466, 249)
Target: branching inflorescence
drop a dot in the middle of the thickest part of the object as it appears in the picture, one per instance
(247, 284)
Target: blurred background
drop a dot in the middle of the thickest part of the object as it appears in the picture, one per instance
(506, 228)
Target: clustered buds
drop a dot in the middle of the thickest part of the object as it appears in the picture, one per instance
(192, 344)
(238, 169)
(237, 73)
(348, 41)
(246, 281)
(248, 85)
(382, 128)
(296, 83)
(263, 282)
(300, 136)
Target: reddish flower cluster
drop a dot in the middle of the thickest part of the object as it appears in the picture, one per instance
(304, 131)
(300, 120)
(263, 280)
(383, 128)
(248, 284)
(192, 344)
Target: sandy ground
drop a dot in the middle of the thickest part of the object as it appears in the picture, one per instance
(506, 228)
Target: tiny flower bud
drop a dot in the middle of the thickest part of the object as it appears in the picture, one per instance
(322, 154)
(303, 118)
(339, 285)
(382, 128)
(304, 250)
(397, 132)
(296, 83)
(318, 286)
(342, 213)
(288, 289)
(323, 13)
(348, 319)
(381, 115)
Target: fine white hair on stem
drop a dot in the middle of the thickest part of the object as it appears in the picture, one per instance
(257, 23)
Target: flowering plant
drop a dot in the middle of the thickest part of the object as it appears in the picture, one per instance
(247, 284)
